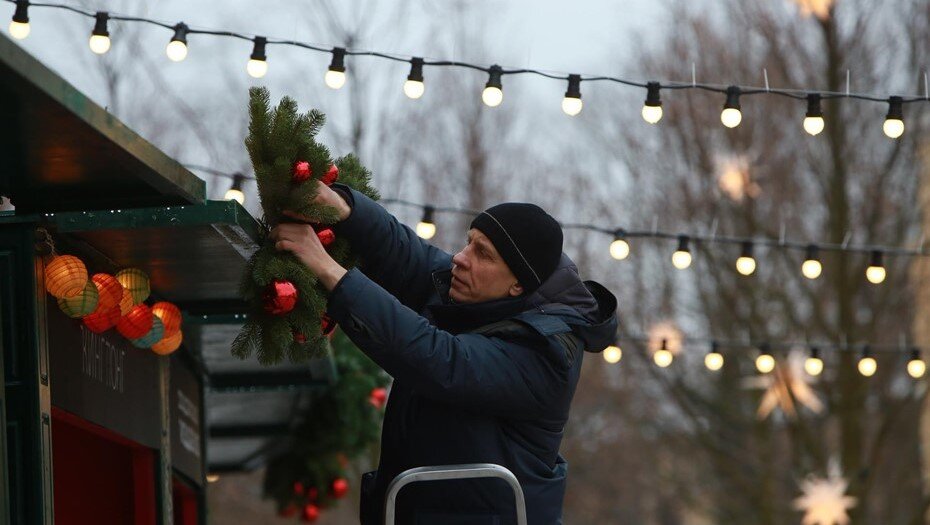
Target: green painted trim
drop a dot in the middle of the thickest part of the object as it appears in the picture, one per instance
(166, 174)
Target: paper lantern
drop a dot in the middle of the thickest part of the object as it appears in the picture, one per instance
(169, 315)
(65, 276)
(125, 303)
(152, 336)
(136, 323)
(137, 282)
(168, 344)
(111, 291)
(81, 304)
(101, 321)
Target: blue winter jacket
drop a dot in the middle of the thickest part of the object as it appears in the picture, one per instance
(467, 388)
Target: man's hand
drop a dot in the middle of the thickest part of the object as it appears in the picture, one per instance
(327, 197)
(301, 240)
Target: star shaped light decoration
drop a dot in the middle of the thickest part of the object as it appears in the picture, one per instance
(785, 385)
(823, 500)
(818, 8)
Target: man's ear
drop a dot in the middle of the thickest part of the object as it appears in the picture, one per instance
(515, 289)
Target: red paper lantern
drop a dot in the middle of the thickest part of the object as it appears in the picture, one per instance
(109, 290)
(168, 344)
(332, 175)
(170, 316)
(301, 171)
(326, 236)
(311, 513)
(136, 323)
(378, 397)
(340, 487)
(280, 297)
(101, 321)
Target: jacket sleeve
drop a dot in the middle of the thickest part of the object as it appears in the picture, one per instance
(467, 370)
(391, 253)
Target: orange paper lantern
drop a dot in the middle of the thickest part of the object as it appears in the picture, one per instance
(110, 290)
(168, 344)
(65, 276)
(170, 316)
(136, 323)
(101, 321)
(125, 303)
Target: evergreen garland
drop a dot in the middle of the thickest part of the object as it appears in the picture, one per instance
(341, 423)
(278, 139)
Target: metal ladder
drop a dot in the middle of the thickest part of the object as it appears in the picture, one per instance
(444, 472)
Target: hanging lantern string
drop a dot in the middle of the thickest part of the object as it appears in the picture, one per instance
(799, 94)
(755, 345)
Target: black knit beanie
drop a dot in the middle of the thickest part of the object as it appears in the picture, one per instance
(528, 239)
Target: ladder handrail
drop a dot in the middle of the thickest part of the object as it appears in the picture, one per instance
(444, 472)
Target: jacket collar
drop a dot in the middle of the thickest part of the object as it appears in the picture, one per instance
(459, 318)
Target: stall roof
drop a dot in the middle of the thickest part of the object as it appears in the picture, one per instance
(61, 151)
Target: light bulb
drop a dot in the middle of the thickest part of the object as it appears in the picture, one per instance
(731, 115)
(765, 363)
(99, 44)
(612, 354)
(414, 89)
(811, 267)
(233, 194)
(916, 368)
(713, 361)
(257, 68)
(19, 27)
(813, 125)
(572, 106)
(335, 79)
(177, 47)
(867, 366)
(213, 478)
(663, 358)
(619, 249)
(894, 120)
(652, 108)
(681, 260)
(746, 265)
(875, 273)
(813, 120)
(426, 230)
(813, 366)
(493, 93)
(19, 30)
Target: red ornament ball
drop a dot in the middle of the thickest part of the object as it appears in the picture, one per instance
(340, 487)
(298, 488)
(280, 297)
(311, 513)
(301, 171)
(378, 397)
(312, 494)
(326, 236)
(299, 337)
(101, 321)
(136, 323)
(332, 175)
(327, 325)
(289, 511)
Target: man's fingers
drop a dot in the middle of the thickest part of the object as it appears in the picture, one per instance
(285, 245)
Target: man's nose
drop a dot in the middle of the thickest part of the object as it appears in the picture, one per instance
(460, 260)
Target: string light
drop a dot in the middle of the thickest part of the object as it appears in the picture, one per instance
(177, 47)
(875, 273)
(811, 267)
(335, 76)
(619, 248)
(100, 37)
(493, 93)
(235, 192)
(813, 365)
(258, 62)
(867, 365)
(572, 104)
(746, 265)
(765, 362)
(426, 229)
(612, 354)
(681, 259)
(714, 359)
(663, 356)
(894, 120)
(19, 27)
(414, 86)
(731, 115)
(916, 367)
(652, 108)
(813, 120)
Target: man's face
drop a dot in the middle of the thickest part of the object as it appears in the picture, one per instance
(480, 274)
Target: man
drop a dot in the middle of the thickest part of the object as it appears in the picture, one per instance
(485, 348)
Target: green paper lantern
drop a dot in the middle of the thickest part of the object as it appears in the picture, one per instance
(135, 280)
(154, 335)
(84, 303)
